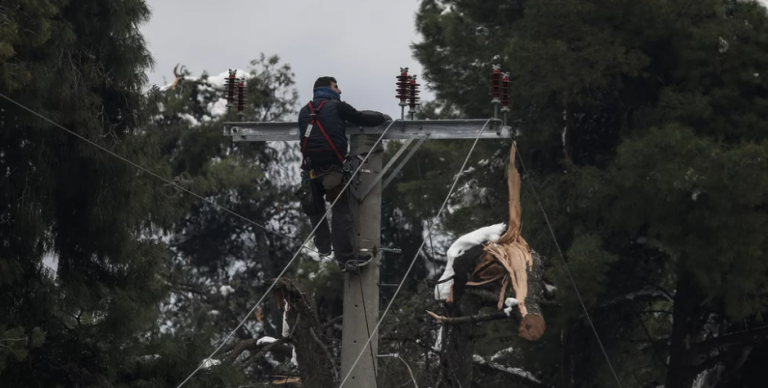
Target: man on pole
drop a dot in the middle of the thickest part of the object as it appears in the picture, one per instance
(324, 150)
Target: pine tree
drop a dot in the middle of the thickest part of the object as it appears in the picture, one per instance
(90, 320)
(655, 112)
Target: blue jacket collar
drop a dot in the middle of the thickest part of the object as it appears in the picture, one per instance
(326, 92)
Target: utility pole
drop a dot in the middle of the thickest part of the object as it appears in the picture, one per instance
(361, 287)
(361, 290)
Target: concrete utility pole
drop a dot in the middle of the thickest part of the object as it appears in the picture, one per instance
(361, 290)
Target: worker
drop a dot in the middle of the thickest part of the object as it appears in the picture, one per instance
(324, 150)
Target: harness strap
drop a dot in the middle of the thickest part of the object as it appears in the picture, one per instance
(312, 122)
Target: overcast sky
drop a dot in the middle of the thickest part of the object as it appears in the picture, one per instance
(363, 43)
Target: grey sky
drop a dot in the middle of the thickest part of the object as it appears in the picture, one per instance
(363, 43)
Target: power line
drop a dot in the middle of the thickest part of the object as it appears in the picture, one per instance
(567, 268)
(144, 169)
(429, 224)
(293, 258)
(418, 252)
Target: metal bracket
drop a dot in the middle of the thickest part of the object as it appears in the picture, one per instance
(422, 137)
(385, 250)
(405, 160)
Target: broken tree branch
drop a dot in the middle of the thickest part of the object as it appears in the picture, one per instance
(512, 261)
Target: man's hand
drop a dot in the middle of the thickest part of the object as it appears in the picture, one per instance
(386, 116)
(365, 118)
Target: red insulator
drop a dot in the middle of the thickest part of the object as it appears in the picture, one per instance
(505, 90)
(241, 95)
(413, 93)
(496, 83)
(230, 87)
(403, 81)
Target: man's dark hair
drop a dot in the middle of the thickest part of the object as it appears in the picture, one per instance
(324, 82)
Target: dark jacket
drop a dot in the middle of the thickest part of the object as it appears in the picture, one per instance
(332, 116)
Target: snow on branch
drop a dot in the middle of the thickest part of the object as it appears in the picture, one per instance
(506, 258)
(513, 371)
(463, 244)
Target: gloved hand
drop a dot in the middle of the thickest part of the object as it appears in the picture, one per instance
(388, 117)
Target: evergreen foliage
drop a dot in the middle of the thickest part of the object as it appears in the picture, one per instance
(68, 205)
(642, 129)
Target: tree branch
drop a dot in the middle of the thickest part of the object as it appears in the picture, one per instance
(327, 354)
(251, 359)
(748, 337)
(331, 322)
(523, 378)
(474, 318)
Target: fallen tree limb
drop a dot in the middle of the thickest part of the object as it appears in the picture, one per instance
(477, 265)
(512, 261)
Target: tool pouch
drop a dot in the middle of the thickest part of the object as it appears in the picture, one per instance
(308, 196)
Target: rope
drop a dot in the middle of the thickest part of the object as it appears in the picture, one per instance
(144, 169)
(399, 287)
(568, 269)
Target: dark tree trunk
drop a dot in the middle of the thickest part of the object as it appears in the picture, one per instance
(316, 366)
(458, 347)
(684, 321)
(567, 362)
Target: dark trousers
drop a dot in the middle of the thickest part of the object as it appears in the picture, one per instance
(341, 234)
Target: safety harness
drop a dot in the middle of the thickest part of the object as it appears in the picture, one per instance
(313, 120)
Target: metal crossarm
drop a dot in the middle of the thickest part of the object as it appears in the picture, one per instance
(435, 129)
(396, 157)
